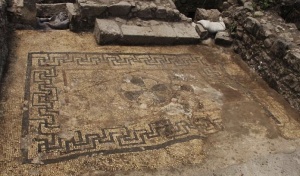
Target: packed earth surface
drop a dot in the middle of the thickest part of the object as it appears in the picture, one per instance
(144, 95)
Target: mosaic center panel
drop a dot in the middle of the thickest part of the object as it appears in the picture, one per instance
(79, 104)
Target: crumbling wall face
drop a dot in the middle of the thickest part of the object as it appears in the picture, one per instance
(189, 7)
(3, 36)
(276, 60)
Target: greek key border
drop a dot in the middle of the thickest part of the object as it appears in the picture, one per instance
(45, 84)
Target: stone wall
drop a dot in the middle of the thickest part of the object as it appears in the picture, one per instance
(273, 57)
(3, 36)
(83, 13)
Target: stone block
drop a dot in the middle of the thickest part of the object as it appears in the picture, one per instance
(203, 33)
(48, 10)
(156, 33)
(164, 34)
(264, 32)
(279, 48)
(91, 9)
(72, 10)
(170, 13)
(252, 25)
(137, 35)
(203, 14)
(176, 16)
(214, 14)
(223, 39)
(120, 9)
(145, 12)
(28, 12)
(161, 12)
(107, 31)
(73, 15)
(186, 33)
(248, 5)
(292, 58)
(22, 13)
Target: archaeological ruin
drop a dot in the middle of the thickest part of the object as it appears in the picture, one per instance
(149, 87)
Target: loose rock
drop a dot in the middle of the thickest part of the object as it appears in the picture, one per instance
(223, 39)
(203, 33)
(258, 14)
(203, 14)
(248, 5)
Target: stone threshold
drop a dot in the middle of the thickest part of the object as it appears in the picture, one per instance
(138, 32)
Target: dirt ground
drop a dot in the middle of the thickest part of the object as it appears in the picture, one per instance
(71, 107)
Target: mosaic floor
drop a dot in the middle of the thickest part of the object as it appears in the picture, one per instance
(84, 103)
(91, 111)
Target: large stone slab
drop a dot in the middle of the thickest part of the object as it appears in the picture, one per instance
(137, 35)
(185, 33)
(107, 31)
(164, 33)
(144, 33)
